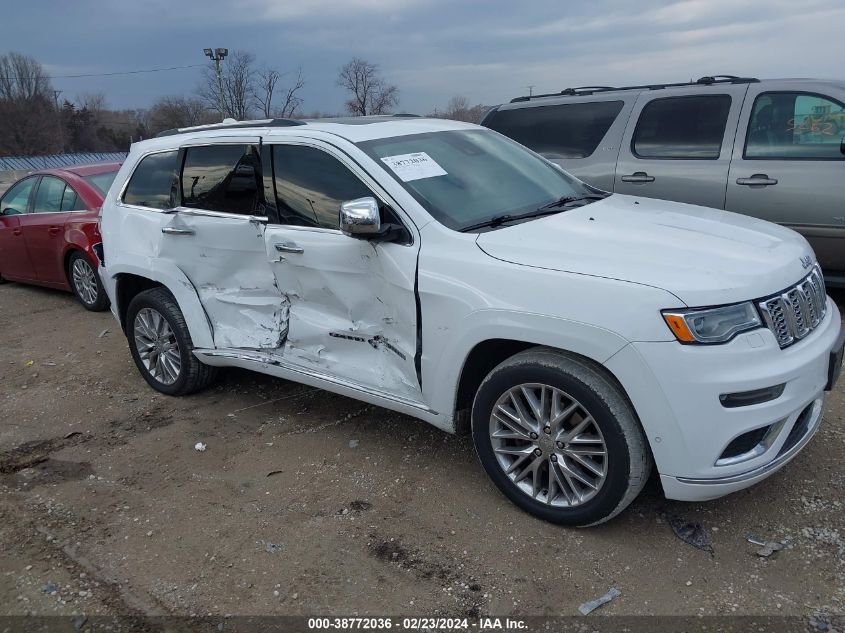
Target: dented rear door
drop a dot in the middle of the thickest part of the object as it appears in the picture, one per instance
(216, 237)
(352, 303)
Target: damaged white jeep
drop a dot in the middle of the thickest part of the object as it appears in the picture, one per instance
(444, 271)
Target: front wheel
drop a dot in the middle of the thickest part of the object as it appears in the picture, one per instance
(161, 345)
(86, 283)
(559, 438)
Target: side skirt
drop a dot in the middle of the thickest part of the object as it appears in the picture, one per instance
(275, 366)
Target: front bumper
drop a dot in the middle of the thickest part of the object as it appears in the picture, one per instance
(675, 390)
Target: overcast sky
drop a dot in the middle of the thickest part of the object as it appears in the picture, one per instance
(432, 49)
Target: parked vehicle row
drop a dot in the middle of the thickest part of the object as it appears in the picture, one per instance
(49, 234)
(772, 149)
(442, 270)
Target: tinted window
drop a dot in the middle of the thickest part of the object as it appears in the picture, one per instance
(16, 200)
(101, 182)
(155, 182)
(48, 198)
(221, 178)
(310, 185)
(560, 131)
(71, 200)
(682, 127)
(472, 176)
(792, 125)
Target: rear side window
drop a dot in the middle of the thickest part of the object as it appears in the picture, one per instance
(48, 198)
(311, 184)
(223, 178)
(682, 127)
(791, 125)
(571, 130)
(71, 201)
(155, 182)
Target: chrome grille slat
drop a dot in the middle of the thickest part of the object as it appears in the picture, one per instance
(794, 313)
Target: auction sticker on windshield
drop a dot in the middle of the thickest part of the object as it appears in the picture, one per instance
(414, 166)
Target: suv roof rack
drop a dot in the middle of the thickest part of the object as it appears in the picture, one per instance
(227, 124)
(588, 90)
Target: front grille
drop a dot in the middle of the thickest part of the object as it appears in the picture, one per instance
(794, 313)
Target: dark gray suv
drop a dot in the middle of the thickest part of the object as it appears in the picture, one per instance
(773, 149)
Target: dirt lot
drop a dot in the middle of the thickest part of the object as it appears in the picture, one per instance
(309, 503)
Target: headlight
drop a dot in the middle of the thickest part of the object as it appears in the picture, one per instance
(712, 325)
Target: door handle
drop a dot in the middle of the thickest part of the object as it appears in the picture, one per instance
(757, 180)
(172, 230)
(638, 176)
(54, 230)
(289, 247)
(16, 231)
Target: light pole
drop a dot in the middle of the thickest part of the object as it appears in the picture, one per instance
(217, 55)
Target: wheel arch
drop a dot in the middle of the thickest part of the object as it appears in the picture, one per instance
(129, 281)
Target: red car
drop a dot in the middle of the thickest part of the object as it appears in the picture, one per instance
(49, 233)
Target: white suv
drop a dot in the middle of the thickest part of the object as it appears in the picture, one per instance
(444, 271)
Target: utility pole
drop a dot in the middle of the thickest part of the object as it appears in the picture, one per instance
(217, 55)
(530, 91)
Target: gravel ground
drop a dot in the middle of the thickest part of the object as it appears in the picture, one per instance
(306, 502)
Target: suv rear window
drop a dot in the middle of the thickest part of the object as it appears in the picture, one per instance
(572, 130)
(792, 125)
(155, 182)
(682, 127)
(221, 178)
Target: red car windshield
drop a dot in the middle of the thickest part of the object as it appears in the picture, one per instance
(101, 182)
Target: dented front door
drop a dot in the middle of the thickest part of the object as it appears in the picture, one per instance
(352, 302)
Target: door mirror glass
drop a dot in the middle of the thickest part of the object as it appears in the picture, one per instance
(360, 218)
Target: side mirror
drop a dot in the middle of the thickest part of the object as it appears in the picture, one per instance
(360, 218)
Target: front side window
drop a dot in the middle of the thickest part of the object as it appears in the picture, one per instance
(572, 130)
(463, 177)
(155, 182)
(311, 185)
(790, 125)
(223, 178)
(16, 200)
(682, 127)
(48, 198)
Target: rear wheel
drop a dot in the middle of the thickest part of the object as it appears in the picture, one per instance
(86, 283)
(559, 438)
(161, 345)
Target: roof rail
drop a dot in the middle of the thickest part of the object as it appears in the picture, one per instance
(588, 90)
(228, 124)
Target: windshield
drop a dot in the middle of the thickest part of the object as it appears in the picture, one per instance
(466, 177)
(102, 182)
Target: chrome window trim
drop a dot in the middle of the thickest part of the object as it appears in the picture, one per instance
(207, 213)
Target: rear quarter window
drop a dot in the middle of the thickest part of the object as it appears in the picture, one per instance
(155, 182)
(572, 130)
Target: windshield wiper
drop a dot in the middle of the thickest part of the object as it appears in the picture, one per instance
(502, 219)
(567, 200)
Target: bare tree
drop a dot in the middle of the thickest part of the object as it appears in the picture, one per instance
(176, 112)
(22, 77)
(238, 94)
(290, 100)
(370, 94)
(265, 86)
(458, 109)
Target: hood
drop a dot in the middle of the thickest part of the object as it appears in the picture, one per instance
(702, 256)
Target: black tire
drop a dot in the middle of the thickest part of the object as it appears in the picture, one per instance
(628, 460)
(193, 375)
(100, 300)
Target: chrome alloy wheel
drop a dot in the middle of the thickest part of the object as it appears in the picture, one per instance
(157, 346)
(549, 445)
(84, 280)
